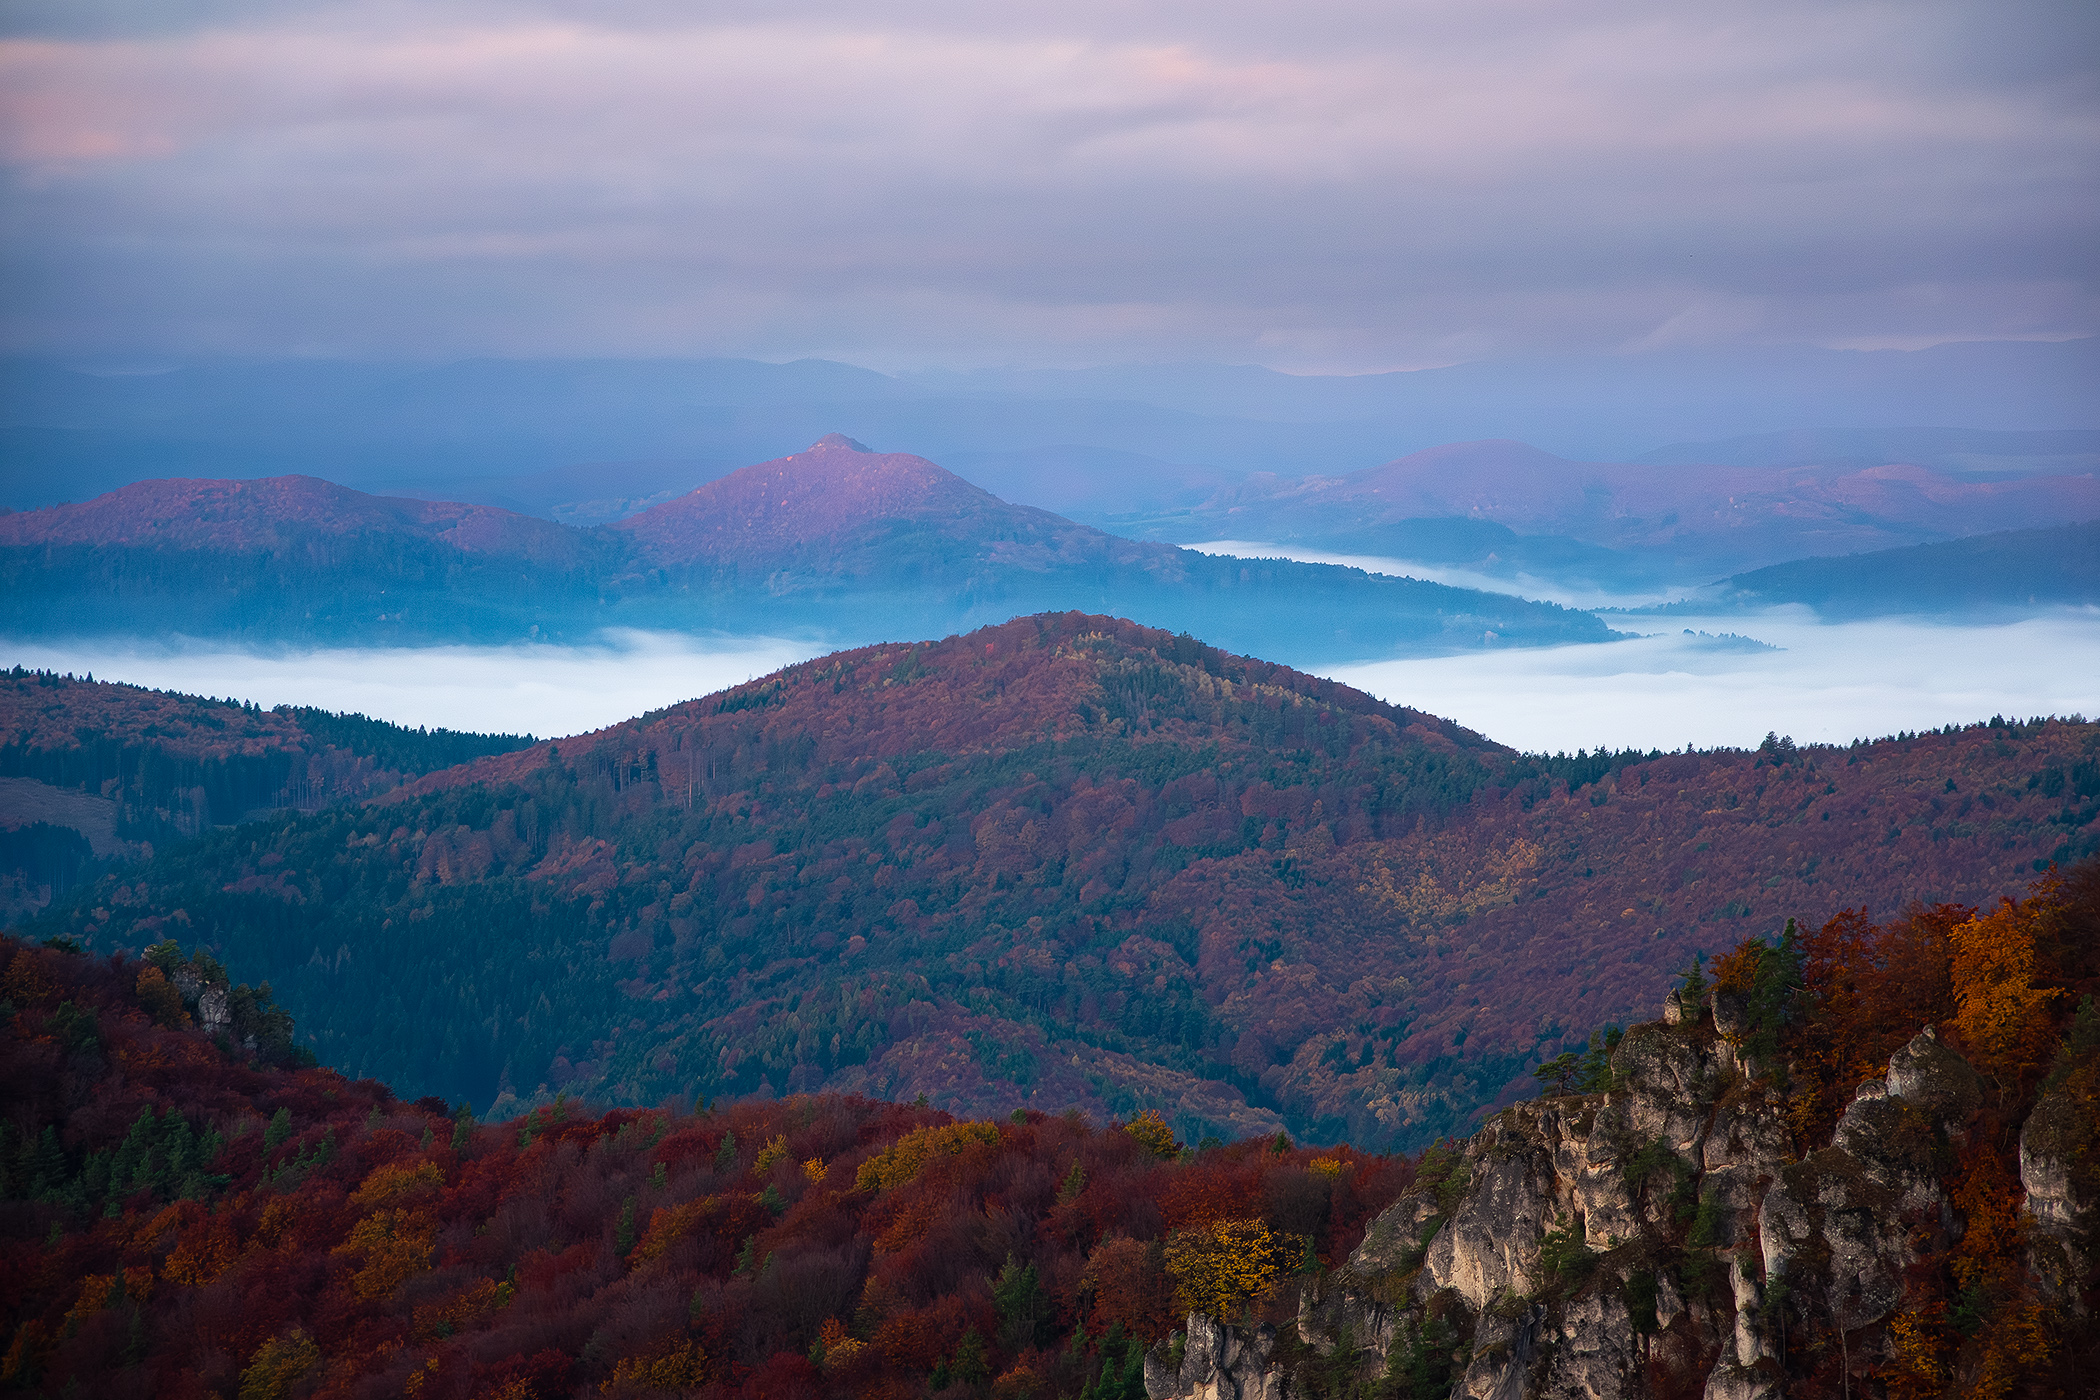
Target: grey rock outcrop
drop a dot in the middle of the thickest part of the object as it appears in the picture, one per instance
(207, 1000)
(1935, 1078)
(2065, 1222)
(1217, 1363)
(1658, 1234)
(1489, 1247)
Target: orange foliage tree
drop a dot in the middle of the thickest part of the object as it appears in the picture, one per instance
(2004, 1019)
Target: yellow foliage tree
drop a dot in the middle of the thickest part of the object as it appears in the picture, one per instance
(203, 1254)
(837, 1346)
(1920, 1334)
(277, 1364)
(394, 1181)
(771, 1153)
(1152, 1130)
(668, 1225)
(681, 1368)
(908, 1155)
(1220, 1268)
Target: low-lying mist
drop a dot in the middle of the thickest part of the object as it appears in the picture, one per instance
(1569, 593)
(1701, 681)
(525, 689)
(1705, 681)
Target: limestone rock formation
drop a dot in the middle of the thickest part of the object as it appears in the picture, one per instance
(1659, 1237)
(1216, 1363)
(2065, 1219)
(205, 998)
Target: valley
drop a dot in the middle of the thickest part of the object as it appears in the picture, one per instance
(1801, 1181)
(1067, 860)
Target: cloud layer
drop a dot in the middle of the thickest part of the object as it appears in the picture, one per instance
(1343, 186)
(1827, 683)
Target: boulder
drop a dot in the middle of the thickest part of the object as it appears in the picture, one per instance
(1731, 1013)
(1670, 1079)
(1896, 1144)
(2064, 1219)
(1831, 1198)
(1217, 1363)
(1936, 1079)
(1731, 1382)
(1749, 1130)
(1490, 1245)
(1595, 1350)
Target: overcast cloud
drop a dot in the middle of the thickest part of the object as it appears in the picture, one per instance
(1331, 186)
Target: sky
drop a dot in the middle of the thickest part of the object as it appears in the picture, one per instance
(1345, 186)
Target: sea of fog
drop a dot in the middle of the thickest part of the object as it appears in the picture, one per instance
(525, 689)
(1523, 585)
(1686, 682)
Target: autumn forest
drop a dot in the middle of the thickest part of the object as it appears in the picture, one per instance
(959, 1018)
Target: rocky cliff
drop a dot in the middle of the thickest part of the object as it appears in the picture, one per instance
(1666, 1236)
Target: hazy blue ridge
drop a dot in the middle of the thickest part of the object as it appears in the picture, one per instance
(2006, 570)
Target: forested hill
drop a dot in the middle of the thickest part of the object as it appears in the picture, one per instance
(1068, 861)
(92, 771)
(2012, 569)
(835, 540)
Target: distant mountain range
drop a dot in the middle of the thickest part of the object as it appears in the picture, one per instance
(835, 540)
(1507, 506)
(586, 441)
(1063, 861)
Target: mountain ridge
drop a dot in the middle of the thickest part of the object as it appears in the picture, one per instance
(2003, 571)
(803, 510)
(1672, 516)
(1070, 858)
(835, 541)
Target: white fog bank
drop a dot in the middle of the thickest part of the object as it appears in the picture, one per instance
(544, 690)
(1830, 683)
(1534, 586)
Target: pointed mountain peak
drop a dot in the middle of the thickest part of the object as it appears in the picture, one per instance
(834, 487)
(840, 440)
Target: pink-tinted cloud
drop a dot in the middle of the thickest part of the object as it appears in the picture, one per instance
(1347, 185)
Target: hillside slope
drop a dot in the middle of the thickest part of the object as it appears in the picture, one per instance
(1864, 1160)
(867, 541)
(1068, 860)
(288, 557)
(2012, 569)
(181, 1217)
(92, 772)
(836, 540)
